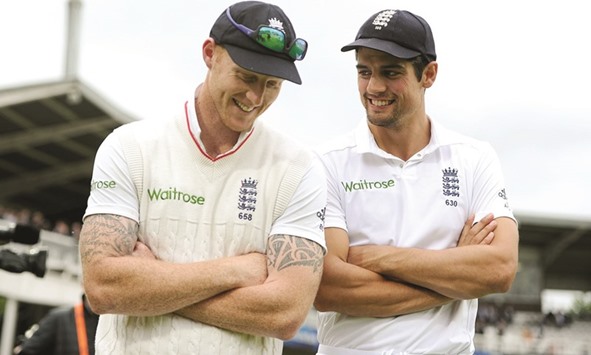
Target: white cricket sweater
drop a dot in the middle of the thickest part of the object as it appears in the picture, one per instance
(193, 208)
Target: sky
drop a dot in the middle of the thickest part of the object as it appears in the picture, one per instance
(513, 73)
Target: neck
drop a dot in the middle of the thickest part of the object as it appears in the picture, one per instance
(403, 142)
(216, 137)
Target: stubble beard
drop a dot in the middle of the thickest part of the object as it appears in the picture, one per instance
(386, 120)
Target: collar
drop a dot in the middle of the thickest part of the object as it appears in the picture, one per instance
(440, 136)
(195, 130)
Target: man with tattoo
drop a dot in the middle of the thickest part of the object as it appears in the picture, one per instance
(405, 263)
(204, 233)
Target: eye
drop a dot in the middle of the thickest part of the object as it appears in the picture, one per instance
(391, 73)
(273, 84)
(364, 73)
(250, 79)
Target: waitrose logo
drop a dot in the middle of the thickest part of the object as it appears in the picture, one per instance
(367, 185)
(102, 184)
(172, 194)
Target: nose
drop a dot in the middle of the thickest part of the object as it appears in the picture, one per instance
(256, 93)
(375, 85)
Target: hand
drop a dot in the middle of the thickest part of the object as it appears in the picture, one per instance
(480, 233)
(253, 267)
(367, 256)
(141, 250)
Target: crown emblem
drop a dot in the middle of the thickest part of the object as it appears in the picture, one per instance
(275, 23)
(249, 183)
(247, 197)
(450, 172)
(383, 18)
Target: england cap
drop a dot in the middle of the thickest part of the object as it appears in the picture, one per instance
(399, 33)
(245, 51)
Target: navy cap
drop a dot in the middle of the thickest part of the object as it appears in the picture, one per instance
(399, 33)
(245, 51)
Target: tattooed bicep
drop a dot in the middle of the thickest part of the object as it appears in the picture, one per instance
(284, 251)
(107, 235)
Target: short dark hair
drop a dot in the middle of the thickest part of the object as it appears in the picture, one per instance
(419, 63)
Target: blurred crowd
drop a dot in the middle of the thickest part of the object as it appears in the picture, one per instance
(37, 219)
(499, 316)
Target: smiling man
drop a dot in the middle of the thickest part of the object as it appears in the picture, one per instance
(405, 262)
(209, 239)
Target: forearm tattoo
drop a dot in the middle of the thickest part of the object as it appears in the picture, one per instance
(107, 235)
(287, 250)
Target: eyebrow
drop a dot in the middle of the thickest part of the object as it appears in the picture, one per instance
(388, 66)
(245, 72)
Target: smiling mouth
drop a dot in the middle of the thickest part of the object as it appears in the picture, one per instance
(381, 102)
(242, 106)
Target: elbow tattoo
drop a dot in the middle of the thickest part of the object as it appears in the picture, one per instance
(108, 235)
(285, 251)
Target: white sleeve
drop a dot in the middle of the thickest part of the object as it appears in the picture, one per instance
(304, 216)
(335, 212)
(490, 193)
(111, 189)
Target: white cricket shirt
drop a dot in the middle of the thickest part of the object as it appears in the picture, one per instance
(421, 203)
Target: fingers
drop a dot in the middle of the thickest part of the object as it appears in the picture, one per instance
(253, 269)
(141, 250)
(486, 219)
(465, 236)
(470, 221)
(485, 230)
(481, 232)
(488, 239)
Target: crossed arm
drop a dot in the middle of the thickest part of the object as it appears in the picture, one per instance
(253, 293)
(383, 281)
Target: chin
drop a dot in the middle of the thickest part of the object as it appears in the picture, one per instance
(241, 127)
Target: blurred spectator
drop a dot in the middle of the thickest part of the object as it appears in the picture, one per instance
(9, 214)
(24, 216)
(493, 315)
(63, 331)
(76, 227)
(61, 227)
(558, 319)
(38, 220)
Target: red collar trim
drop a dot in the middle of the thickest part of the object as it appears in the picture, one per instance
(201, 149)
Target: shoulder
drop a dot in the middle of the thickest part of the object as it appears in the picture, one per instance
(150, 133)
(58, 313)
(280, 144)
(62, 310)
(343, 144)
(340, 151)
(142, 127)
(457, 140)
(465, 152)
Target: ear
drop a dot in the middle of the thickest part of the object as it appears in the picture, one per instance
(207, 50)
(430, 74)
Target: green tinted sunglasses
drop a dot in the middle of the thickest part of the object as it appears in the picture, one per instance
(273, 39)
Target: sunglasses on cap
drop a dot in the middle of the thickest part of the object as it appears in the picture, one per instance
(273, 39)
